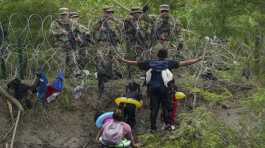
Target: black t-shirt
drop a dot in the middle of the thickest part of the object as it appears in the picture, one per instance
(157, 67)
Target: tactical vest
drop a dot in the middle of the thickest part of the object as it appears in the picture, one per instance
(164, 26)
(105, 33)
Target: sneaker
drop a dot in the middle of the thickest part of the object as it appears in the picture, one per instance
(173, 127)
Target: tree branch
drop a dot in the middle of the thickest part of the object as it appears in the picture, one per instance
(11, 99)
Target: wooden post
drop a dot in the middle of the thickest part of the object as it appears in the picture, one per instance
(15, 130)
(10, 108)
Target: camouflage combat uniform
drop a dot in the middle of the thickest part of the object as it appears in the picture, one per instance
(137, 35)
(167, 34)
(106, 37)
(83, 40)
(64, 42)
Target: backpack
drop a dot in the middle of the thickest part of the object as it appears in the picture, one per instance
(162, 68)
(113, 133)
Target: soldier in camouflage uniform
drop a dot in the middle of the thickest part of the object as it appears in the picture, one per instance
(106, 36)
(64, 41)
(83, 40)
(134, 33)
(166, 33)
(137, 35)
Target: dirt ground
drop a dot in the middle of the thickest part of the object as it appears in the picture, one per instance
(55, 128)
(65, 128)
(74, 127)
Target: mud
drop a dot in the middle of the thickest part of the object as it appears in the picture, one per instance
(59, 127)
(74, 127)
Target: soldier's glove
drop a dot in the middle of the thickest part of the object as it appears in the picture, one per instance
(145, 8)
(180, 46)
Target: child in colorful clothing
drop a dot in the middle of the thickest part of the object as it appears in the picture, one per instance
(132, 91)
(115, 132)
(175, 106)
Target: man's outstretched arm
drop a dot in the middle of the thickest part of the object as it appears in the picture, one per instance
(128, 62)
(189, 62)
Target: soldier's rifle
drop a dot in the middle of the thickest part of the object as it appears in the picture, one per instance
(111, 36)
(138, 34)
(70, 34)
(83, 37)
(140, 37)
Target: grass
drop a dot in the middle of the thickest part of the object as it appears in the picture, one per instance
(256, 102)
(214, 97)
(198, 129)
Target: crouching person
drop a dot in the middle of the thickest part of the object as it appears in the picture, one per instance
(116, 133)
(22, 92)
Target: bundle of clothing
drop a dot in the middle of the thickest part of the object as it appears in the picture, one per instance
(41, 88)
(46, 92)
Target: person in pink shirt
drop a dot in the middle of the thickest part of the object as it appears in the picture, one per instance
(114, 132)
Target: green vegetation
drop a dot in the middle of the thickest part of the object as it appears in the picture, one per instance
(236, 21)
(256, 102)
(254, 131)
(213, 97)
(237, 25)
(197, 129)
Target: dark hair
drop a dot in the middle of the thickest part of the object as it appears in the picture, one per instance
(162, 53)
(14, 83)
(97, 115)
(117, 115)
(132, 86)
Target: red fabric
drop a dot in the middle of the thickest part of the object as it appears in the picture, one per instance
(175, 111)
(176, 108)
(50, 91)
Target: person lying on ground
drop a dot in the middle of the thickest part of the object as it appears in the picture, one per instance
(158, 74)
(115, 132)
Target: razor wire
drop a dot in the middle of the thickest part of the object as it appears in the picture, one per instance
(34, 51)
(41, 52)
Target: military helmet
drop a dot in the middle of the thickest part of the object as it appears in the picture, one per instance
(108, 9)
(63, 11)
(136, 10)
(164, 7)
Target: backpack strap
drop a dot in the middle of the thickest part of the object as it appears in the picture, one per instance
(148, 76)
